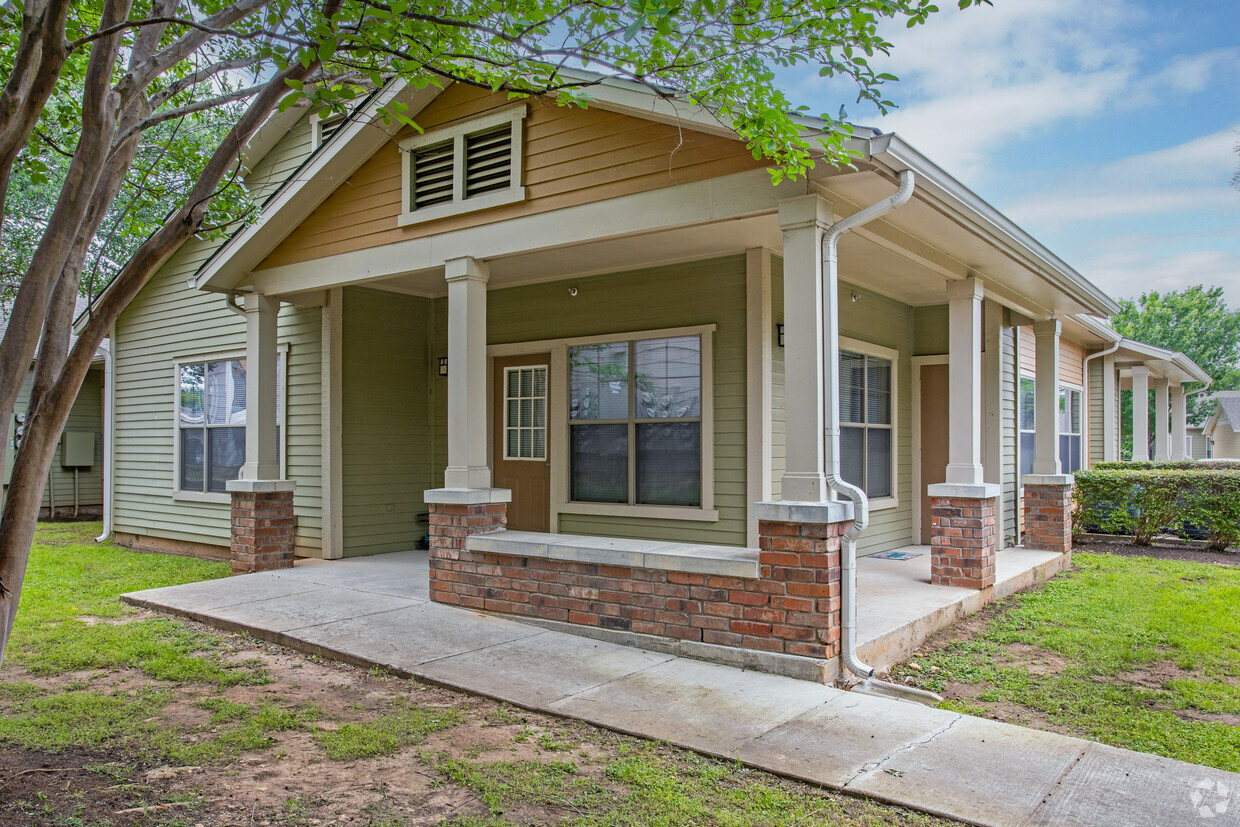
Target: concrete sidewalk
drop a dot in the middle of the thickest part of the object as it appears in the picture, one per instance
(376, 611)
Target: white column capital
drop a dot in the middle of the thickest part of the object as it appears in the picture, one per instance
(968, 289)
(467, 268)
(805, 211)
(1140, 370)
(1047, 327)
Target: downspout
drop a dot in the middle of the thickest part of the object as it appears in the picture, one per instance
(861, 505)
(109, 429)
(1085, 369)
(230, 299)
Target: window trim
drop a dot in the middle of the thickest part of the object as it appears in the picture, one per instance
(892, 355)
(1021, 376)
(1079, 390)
(317, 120)
(557, 424)
(456, 133)
(219, 356)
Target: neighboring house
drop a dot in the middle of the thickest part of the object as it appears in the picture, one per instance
(1222, 428)
(75, 486)
(1199, 446)
(606, 322)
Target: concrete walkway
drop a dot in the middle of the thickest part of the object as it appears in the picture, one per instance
(376, 611)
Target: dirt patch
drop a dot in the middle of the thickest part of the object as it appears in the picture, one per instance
(1164, 551)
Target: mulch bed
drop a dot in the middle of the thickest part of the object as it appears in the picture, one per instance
(1164, 551)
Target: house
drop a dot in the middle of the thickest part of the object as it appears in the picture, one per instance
(1199, 446)
(607, 332)
(1222, 428)
(74, 486)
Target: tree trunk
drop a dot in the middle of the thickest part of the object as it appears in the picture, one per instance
(20, 516)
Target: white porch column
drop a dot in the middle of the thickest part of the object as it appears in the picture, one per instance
(1046, 398)
(261, 462)
(1140, 414)
(964, 372)
(467, 374)
(1179, 423)
(1162, 428)
(1110, 399)
(806, 377)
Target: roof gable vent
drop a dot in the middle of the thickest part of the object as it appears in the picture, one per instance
(488, 161)
(432, 175)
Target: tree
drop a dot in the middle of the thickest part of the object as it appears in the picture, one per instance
(1196, 322)
(109, 74)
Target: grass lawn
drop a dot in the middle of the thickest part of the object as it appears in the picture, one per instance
(1130, 651)
(115, 716)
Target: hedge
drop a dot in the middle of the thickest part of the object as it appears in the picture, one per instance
(1171, 465)
(1145, 502)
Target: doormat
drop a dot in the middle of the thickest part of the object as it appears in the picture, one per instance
(897, 555)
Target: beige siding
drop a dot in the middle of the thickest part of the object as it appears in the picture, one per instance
(1028, 351)
(1072, 362)
(572, 156)
(169, 320)
(386, 445)
(1096, 437)
(86, 415)
(1226, 442)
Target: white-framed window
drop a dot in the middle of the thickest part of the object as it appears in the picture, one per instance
(868, 419)
(466, 167)
(1026, 413)
(525, 413)
(635, 420)
(1069, 429)
(209, 445)
(323, 125)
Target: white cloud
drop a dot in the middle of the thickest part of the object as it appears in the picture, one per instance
(1127, 273)
(1191, 176)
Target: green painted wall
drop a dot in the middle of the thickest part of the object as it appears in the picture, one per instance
(86, 415)
(386, 412)
(779, 398)
(930, 330)
(170, 320)
(698, 293)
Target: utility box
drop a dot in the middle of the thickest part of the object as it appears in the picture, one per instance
(77, 449)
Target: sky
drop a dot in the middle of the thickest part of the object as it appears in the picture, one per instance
(1105, 128)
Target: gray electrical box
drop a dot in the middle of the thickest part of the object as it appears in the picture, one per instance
(77, 449)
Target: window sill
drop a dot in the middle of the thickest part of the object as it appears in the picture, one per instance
(648, 512)
(468, 205)
(202, 497)
(884, 503)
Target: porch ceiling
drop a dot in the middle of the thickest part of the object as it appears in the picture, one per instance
(863, 260)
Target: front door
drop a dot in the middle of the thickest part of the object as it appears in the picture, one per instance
(934, 389)
(522, 455)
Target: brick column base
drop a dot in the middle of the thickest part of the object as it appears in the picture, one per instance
(1048, 515)
(262, 531)
(962, 541)
(450, 524)
(800, 567)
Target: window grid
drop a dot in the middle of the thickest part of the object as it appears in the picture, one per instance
(861, 420)
(634, 398)
(525, 413)
(1027, 412)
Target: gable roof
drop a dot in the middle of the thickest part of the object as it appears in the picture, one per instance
(79, 307)
(1228, 408)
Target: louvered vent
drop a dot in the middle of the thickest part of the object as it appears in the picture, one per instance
(432, 175)
(488, 161)
(328, 128)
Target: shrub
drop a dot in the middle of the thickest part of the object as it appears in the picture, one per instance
(1144, 501)
(1171, 465)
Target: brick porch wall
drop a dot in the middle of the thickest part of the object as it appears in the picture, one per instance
(792, 608)
(963, 532)
(262, 531)
(1048, 518)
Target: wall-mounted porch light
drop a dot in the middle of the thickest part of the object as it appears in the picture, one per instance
(779, 334)
(443, 365)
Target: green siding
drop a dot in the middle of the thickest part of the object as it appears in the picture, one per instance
(699, 293)
(86, 415)
(779, 397)
(386, 444)
(930, 330)
(882, 321)
(169, 320)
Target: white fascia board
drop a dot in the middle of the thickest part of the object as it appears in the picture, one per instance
(351, 146)
(1192, 371)
(1091, 326)
(972, 209)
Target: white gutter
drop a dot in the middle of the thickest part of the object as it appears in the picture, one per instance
(109, 430)
(836, 483)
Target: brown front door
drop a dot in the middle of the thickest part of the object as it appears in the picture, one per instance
(522, 448)
(934, 390)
